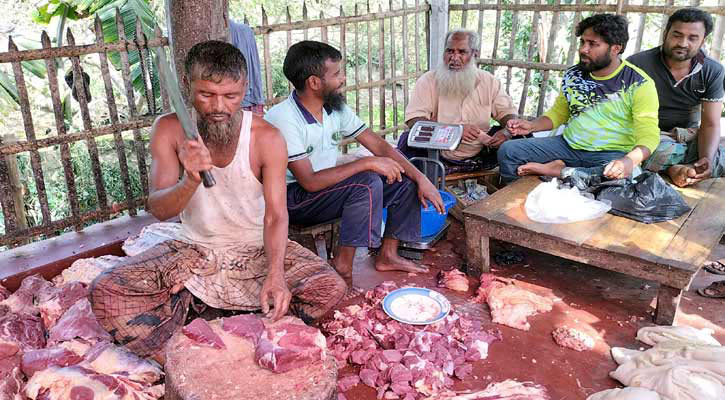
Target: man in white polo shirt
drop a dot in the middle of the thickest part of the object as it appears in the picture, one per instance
(313, 120)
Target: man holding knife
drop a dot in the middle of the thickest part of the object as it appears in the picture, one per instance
(233, 252)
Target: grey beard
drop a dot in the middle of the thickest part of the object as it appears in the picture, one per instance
(218, 133)
(456, 84)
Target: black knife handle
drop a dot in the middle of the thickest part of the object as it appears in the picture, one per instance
(208, 179)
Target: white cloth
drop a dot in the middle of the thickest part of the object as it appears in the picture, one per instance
(630, 393)
(674, 369)
(150, 236)
(230, 213)
(652, 335)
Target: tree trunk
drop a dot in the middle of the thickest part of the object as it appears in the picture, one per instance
(190, 22)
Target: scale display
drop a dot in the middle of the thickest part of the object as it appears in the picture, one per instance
(434, 135)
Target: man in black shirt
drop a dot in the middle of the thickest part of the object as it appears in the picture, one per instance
(690, 90)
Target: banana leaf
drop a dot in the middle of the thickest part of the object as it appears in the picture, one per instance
(35, 67)
(106, 11)
(8, 91)
(130, 10)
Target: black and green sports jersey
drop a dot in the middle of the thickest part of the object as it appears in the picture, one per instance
(612, 113)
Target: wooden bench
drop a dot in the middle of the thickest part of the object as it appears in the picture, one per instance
(669, 253)
(51, 256)
(319, 235)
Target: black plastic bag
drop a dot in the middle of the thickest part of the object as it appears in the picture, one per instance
(646, 198)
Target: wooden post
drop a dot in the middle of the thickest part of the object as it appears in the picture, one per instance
(665, 17)
(191, 22)
(717, 35)
(16, 188)
(640, 29)
(438, 22)
(668, 301)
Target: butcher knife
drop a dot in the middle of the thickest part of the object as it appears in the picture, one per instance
(172, 89)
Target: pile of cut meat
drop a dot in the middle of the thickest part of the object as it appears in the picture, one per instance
(52, 347)
(404, 361)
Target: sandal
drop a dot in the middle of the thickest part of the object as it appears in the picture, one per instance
(716, 290)
(715, 267)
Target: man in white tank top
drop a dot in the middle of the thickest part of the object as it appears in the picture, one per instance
(232, 252)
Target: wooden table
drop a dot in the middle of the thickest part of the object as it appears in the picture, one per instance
(669, 253)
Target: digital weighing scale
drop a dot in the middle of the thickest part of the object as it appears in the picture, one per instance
(434, 137)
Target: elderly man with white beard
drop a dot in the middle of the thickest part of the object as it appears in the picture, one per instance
(457, 92)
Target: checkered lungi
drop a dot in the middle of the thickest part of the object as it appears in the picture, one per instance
(134, 303)
(676, 150)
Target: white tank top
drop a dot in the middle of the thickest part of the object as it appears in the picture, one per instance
(230, 213)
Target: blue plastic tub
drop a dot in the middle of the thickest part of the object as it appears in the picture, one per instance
(430, 221)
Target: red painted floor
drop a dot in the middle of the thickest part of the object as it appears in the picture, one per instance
(609, 306)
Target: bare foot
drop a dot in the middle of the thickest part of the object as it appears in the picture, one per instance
(352, 292)
(397, 263)
(552, 168)
(681, 174)
(343, 270)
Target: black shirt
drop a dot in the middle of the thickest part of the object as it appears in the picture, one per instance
(680, 101)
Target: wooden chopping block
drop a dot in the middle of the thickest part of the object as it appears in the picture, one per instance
(196, 372)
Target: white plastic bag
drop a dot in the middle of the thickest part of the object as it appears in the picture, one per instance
(547, 203)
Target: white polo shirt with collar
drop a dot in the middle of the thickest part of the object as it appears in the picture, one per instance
(309, 138)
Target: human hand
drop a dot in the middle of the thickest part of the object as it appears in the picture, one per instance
(275, 287)
(519, 127)
(703, 169)
(472, 133)
(426, 191)
(498, 138)
(194, 157)
(619, 169)
(386, 167)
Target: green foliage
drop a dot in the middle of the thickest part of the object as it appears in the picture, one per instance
(8, 91)
(56, 187)
(46, 10)
(130, 10)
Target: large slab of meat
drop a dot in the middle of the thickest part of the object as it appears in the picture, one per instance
(510, 304)
(78, 382)
(404, 361)
(107, 358)
(78, 322)
(103, 371)
(23, 300)
(20, 332)
(54, 301)
(80, 362)
(4, 293)
(11, 384)
(38, 360)
(197, 370)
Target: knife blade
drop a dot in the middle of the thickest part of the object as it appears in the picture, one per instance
(168, 79)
